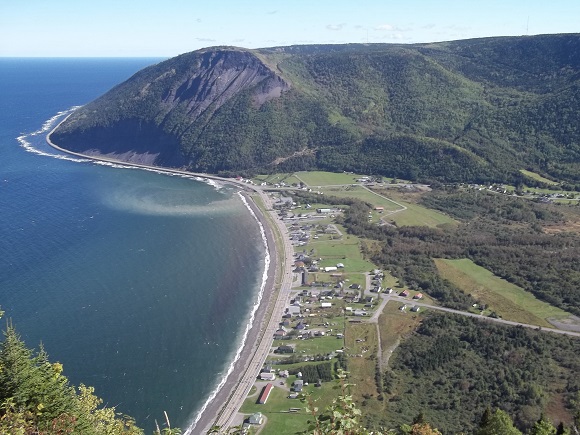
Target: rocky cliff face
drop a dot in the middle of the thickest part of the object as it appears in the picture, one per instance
(144, 119)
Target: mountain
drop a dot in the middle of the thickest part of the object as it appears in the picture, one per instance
(470, 110)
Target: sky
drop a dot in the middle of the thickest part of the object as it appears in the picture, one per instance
(154, 28)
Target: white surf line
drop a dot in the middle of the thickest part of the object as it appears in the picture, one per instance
(249, 325)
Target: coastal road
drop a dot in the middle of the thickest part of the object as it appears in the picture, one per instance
(227, 416)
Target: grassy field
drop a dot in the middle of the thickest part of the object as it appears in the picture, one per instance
(346, 251)
(320, 178)
(289, 179)
(418, 215)
(508, 300)
(537, 177)
(279, 420)
(415, 214)
(395, 324)
(363, 194)
(361, 341)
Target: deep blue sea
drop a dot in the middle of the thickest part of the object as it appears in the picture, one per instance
(140, 283)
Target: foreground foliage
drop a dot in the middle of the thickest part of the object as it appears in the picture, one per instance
(36, 398)
(343, 417)
(455, 365)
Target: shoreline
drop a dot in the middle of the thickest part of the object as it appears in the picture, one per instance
(248, 351)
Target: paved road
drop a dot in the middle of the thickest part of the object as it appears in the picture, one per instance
(228, 413)
(387, 298)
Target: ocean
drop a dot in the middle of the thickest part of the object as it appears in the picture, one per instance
(141, 284)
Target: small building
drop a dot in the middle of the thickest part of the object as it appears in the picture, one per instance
(283, 373)
(284, 349)
(418, 296)
(415, 309)
(360, 313)
(340, 265)
(330, 268)
(379, 209)
(267, 377)
(323, 210)
(256, 418)
(281, 332)
(298, 385)
(300, 326)
(404, 293)
(265, 394)
(293, 310)
(326, 305)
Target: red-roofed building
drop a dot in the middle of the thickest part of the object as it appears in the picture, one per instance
(418, 296)
(265, 394)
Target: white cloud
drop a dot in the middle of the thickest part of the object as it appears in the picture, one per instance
(205, 39)
(336, 27)
(385, 27)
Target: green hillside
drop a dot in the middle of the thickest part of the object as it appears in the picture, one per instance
(473, 110)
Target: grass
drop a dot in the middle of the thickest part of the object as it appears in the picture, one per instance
(508, 300)
(363, 194)
(289, 179)
(361, 339)
(415, 214)
(346, 251)
(420, 216)
(321, 178)
(537, 177)
(394, 325)
(279, 421)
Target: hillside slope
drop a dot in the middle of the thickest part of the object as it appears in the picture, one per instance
(472, 110)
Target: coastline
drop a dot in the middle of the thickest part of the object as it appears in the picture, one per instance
(232, 383)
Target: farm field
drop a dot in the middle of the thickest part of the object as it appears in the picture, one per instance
(537, 177)
(506, 299)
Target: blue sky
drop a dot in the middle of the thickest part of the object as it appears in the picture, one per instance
(171, 27)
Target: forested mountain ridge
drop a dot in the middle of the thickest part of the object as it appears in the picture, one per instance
(471, 110)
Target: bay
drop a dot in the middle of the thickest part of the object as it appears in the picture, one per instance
(140, 283)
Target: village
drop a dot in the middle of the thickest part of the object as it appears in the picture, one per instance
(332, 287)
(338, 312)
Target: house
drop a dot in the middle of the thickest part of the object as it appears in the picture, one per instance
(330, 268)
(256, 418)
(415, 309)
(404, 293)
(265, 394)
(369, 299)
(380, 209)
(300, 326)
(267, 377)
(298, 385)
(340, 265)
(326, 305)
(293, 396)
(360, 313)
(283, 373)
(403, 307)
(323, 210)
(354, 286)
(281, 332)
(284, 349)
(418, 296)
(293, 310)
